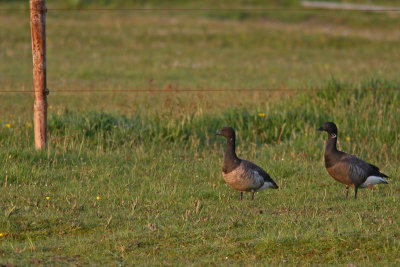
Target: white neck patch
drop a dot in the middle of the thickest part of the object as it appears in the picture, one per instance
(333, 135)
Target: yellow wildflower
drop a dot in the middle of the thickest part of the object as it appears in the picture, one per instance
(98, 197)
(28, 125)
(347, 138)
(50, 107)
(8, 125)
(47, 198)
(261, 114)
(1, 234)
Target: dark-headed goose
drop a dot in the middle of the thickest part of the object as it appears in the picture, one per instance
(239, 174)
(346, 168)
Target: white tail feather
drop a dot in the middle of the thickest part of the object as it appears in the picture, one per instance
(265, 185)
(373, 180)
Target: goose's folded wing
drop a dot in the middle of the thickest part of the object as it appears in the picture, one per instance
(377, 171)
(360, 170)
(260, 170)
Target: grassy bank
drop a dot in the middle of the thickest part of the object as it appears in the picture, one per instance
(148, 190)
(135, 178)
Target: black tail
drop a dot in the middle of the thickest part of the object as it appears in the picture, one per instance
(384, 175)
(275, 186)
(376, 169)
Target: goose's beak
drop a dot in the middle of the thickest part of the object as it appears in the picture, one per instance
(218, 133)
(320, 129)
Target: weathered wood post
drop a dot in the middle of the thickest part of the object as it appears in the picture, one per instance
(38, 31)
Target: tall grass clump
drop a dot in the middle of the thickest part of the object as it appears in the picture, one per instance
(366, 111)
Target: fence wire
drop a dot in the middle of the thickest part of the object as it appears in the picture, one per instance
(206, 9)
(236, 90)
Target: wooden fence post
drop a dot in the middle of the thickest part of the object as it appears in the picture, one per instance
(38, 31)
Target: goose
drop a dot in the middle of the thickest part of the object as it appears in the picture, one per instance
(348, 169)
(242, 175)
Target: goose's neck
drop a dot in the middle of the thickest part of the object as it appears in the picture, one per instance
(231, 160)
(331, 144)
(230, 150)
(332, 155)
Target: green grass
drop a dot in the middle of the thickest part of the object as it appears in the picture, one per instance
(153, 159)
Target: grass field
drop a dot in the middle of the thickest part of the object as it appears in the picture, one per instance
(135, 178)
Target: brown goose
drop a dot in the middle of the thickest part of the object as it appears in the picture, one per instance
(348, 169)
(242, 175)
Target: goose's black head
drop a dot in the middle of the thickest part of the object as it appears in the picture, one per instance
(330, 128)
(228, 132)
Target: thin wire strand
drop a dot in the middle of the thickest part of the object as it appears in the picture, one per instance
(243, 90)
(210, 9)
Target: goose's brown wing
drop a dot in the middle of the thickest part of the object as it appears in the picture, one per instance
(264, 174)
(360, 170)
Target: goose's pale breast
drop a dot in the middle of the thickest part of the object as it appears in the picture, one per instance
(243, 179)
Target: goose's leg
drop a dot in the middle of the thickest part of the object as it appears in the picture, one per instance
(347, 191)
(355, 192)
(252, 194)
(241, 195)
